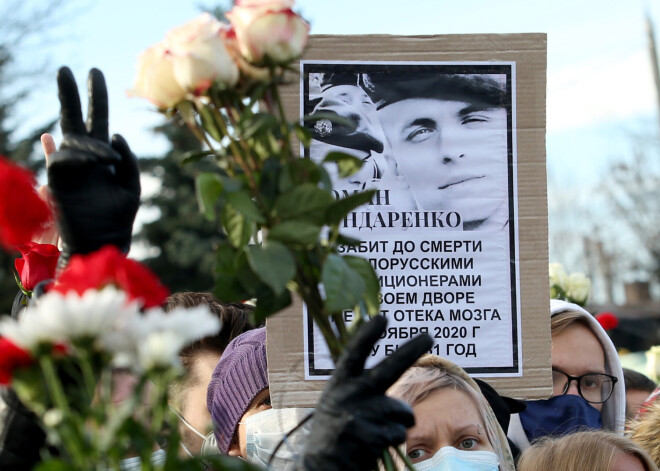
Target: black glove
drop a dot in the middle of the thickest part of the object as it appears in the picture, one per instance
(21, 437)
(354, 420)
(95, 184)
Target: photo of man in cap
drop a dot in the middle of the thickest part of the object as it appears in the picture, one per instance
(448, 137)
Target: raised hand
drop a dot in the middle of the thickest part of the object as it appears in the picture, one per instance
(94, 182)
(354, 420)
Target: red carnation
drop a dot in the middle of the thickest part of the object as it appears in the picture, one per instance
(11, 357)
(23, 213)
(607, 320)
(108, 266)
(38, 263)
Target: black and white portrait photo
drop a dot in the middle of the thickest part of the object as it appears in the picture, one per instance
(438, 137)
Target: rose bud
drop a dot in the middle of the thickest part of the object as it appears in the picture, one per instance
(155, 79)
(200, 54)
(268, 30)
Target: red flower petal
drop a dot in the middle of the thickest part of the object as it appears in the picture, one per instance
(38, 263)
(108, 266)
(12, 357)
(607, 320)
(22, 212)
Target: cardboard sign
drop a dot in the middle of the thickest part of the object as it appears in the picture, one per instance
(451, 130)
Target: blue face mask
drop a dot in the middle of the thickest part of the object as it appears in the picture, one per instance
(449, 458)
(559, 415)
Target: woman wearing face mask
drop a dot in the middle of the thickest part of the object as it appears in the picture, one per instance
(245, 425)
(588, 387)
(454, 426)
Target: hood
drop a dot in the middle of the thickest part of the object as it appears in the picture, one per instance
(614, 410)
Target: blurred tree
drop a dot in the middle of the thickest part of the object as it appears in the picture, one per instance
(180, 236)
(21, 31)
(632, 189)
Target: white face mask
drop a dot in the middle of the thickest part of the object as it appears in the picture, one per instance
(267, 429)
(209, 443)
(135, 463)
(449, 458)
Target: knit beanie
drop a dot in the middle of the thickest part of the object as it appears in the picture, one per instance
(240, 375)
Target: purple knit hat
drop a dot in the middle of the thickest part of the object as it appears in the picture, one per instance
(238, 377)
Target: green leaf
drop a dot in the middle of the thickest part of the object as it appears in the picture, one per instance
(209, 122)
(259, 124)
(343, 206)
(295, 232)
(344, 287)
(53, 465)
(208, 188)
(304, 202)
(246, 206)
(268, 185)
(228, 288)
(269, 303)
(273, 263)
(225, 259)
(347, 164)
(303, 134)
(368, 275)
(238, 229)
(194, 156)
(302, 171)
(345, 240)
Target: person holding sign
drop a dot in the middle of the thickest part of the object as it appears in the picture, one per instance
(448, 135)
(588, 386)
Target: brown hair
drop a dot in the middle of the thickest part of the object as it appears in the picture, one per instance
(581, 451)
(235, 318)
(562, 321)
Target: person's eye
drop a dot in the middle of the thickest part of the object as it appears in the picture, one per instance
(265, 401)
(468, 443)
(419, 134)
(417, 455)
(590, 383)
(475, 118)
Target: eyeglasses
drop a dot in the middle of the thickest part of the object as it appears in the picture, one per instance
(595, 388)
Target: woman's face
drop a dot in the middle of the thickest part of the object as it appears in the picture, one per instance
(446, 417)
(260, 403)
(576, 351)
(626, 462)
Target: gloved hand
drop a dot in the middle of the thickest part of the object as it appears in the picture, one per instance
(354, 420)
(95, 184)
(21, 437)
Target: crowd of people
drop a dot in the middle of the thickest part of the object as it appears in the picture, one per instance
(598, 417)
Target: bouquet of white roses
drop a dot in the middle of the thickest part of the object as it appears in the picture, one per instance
(573, 288)
(222, 80)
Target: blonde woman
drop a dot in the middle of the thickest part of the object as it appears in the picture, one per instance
(454, 425)
(585, 451)
(645, 431)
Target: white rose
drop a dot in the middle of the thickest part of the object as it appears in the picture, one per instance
(155, 78)
(200, 54)
(558, 275)
(578, 287)
(653, 362)
(268, 29)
